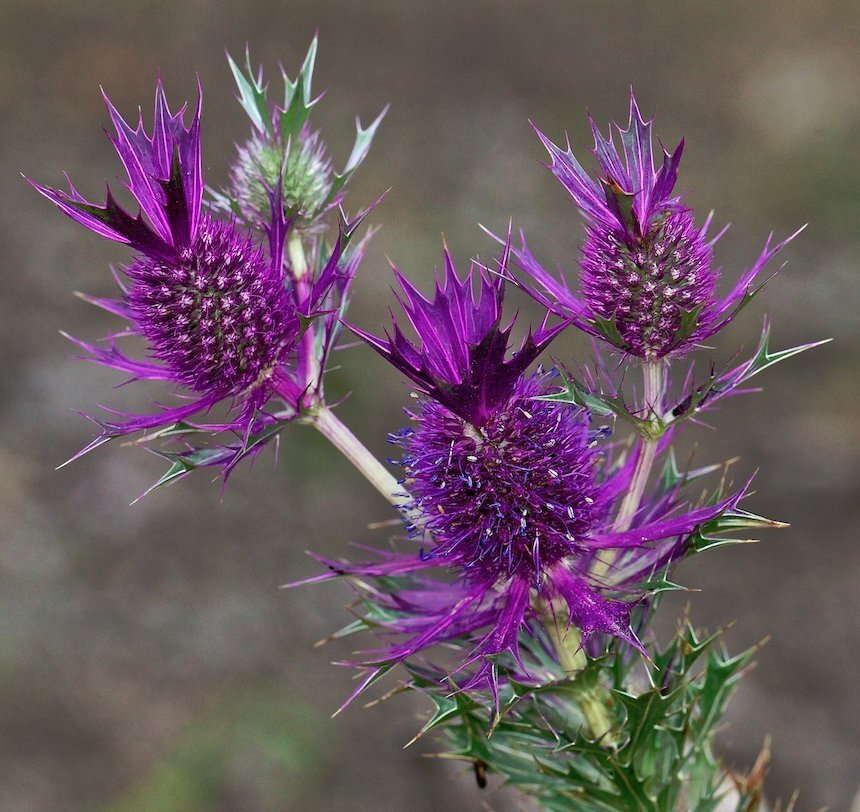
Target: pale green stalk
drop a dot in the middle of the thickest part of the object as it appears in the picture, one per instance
(296, 252)
(320, 416)
(328, 424)
(593, 701)
(653, 396)
(299, 266)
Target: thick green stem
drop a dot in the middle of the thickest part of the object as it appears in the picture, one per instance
(325, 421)
(318, 414)
(593, 700)
(630, 503)
(566, 644)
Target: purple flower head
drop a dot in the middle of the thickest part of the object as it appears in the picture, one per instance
(211, 304)
(217, 316)
(508, 499)
(460, 359)
(647, 281)
(514, 516)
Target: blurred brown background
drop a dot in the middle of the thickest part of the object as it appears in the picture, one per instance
(148, 660)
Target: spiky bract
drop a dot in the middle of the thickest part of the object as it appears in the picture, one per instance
(461, 357)
(507, 495)
(284, 155)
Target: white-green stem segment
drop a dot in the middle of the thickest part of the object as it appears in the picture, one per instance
(328, 424)
(299, 270)
(653, 397)
(296, 252)
(594, 700)
(319, 415)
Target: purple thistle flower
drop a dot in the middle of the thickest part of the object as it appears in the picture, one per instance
(506, 493)
(460, 359)
(212, 306)
(518, 512)
(647, 281)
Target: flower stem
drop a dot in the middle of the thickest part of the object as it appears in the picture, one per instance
(653, 395)
(630, 503)
(325, 421)
(296, 253)
(299, 269)
(592, 699)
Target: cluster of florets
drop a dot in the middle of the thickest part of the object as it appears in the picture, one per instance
(301, 166)
(647, 284)
(216, 310)
(215, 315)
(509, 498)
(528, 526)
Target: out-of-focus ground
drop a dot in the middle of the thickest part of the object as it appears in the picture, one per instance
(148, 660)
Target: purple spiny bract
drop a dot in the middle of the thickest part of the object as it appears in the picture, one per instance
(222, 315)
(510, 498)
(216, 315)
(461, 358)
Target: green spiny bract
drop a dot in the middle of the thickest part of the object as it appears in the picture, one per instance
(284, 160)
(657, 756)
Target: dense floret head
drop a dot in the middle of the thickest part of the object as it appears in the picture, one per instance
(510, 498)
(301, 166)
(648, 284)
(215, 315)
